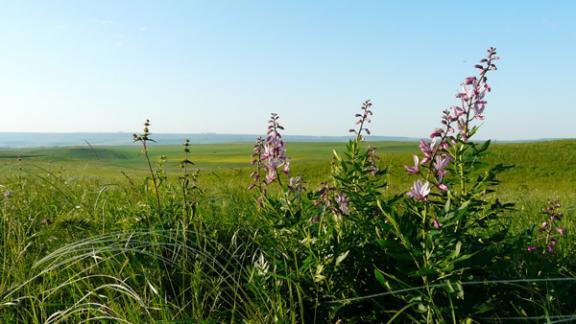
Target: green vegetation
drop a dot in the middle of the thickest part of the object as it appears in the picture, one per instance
(75, 245)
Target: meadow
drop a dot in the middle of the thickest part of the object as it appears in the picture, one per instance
(447, 229)
(543, 170)
(59, 196)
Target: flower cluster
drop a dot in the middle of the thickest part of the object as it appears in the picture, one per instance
(363, 119)
(269, 156)
(549, 229)
(333, 200)
(373, 160)
(257, 153)
(456, 129)
(274, 155)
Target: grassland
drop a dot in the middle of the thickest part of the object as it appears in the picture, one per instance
(84, 196)
(542, 170)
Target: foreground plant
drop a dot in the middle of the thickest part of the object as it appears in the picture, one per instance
(144, 138)
(549, 232)
(451, 227)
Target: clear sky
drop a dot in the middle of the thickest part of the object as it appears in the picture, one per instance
(223, 66)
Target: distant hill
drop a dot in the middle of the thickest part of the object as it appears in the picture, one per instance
(22, 140)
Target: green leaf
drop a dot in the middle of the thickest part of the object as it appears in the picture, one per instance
(341, 257)
(380, 277)
(456, 252)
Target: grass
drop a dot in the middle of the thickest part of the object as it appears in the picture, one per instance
(70, 249)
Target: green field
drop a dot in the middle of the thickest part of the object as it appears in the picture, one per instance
(542, 170)
(70, 214)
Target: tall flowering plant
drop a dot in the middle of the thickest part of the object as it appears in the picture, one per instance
(449, 208)
(341, 239)
(446, 149)
(272, 165)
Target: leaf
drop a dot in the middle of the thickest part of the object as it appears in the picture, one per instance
(447, 205)
(456, 252)
(336, 156)
(341, 257)
(380, 277)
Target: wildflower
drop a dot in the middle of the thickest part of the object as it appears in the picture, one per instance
(479, 109)
(420, 190)
(363, 119)
(373, 159)
(470, 80)
(273, 151)
(427, 149)
(548, 231)
(295, 183)
(271, 175)
(414, 169)
(343, 203)
(436, 224)
(532, 248)
(286, 168)
(440, 163)
(457, 112)
(438, 132)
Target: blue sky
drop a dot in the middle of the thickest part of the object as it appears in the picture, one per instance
(223, 66)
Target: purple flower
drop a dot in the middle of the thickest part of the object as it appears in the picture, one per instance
(343, 203)
(532, 248)
(286, 168)
(479, 109)
(443, 187)
(295, 183)
(548, 231)
(441, 162)
(427, 149)
(457, 112)
(414, 169)
(420, 190)
(271, 175)
(438, 132)
(436, 224)
(274, 151)
(373, 159)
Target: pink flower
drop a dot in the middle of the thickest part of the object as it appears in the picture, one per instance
(457, 112)
(440, 164)
(427, 148)
(286, 169)
(343, 203)
(532, 248)
(560, 231)
(470, 80)
(271, 175)
(420, 190)
(273, 152)
(413, 169)
(437, 133)
(295, 183)
(441, 161)
(436, 224)
(479, 107)
(443, 187)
